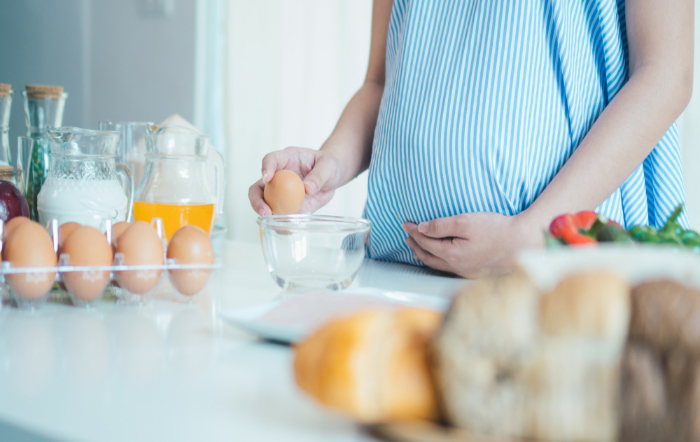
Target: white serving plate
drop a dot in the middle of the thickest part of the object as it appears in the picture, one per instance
(292, 317)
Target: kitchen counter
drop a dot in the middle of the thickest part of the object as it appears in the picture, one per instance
(169, 371)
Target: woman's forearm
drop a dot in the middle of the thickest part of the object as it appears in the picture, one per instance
(617, 144)
(351, 139)
(660, 84)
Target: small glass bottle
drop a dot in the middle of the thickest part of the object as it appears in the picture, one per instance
(5, 105)
(43, 109)
(7, 173)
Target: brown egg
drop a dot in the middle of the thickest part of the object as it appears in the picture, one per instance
(285, 193)
(140, 245)
(30, 246)
(63, 231)
(118, 229)
(12, 224)
(87, 246)
(190, 245)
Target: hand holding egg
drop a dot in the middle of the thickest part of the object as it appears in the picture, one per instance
(284, 193)
(321, 174)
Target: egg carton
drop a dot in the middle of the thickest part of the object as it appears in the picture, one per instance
(183, 283)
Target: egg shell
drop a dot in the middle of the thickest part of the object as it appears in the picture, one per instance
(64, 230)
(87, 246)
(118, 229)
(12, 224)
(285, 193)
(140, 245)
(30, 246)
(190, 245)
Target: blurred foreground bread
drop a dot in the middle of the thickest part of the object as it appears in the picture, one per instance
(373, 365)
(512, 361)
(586, 361)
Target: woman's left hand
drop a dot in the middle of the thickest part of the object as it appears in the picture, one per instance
(472, 244)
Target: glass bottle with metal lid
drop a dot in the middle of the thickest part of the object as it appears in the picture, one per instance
(43, 108)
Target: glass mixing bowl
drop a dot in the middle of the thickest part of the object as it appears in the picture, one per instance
(313, 251)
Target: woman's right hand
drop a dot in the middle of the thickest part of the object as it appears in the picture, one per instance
(320, 170)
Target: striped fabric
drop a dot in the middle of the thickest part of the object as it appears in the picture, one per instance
(484, 102)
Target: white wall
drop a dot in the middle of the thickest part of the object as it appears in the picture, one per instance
(689, 128)
(115, 61)
(141, 67)
(44, 42)
(291, 68)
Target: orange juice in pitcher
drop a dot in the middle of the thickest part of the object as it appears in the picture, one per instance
(175, 216)
(175, 185)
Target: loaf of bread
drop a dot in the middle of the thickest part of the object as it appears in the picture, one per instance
(512, 361)
(586, 305)
(661, 386)
(373, 365)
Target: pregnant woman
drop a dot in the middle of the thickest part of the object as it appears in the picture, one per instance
(481, 120)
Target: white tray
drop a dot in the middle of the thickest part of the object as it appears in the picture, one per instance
(293, 317)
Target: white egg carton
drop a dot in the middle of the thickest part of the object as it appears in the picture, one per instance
(164, 286)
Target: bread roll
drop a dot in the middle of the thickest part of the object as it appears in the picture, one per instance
(587, 304)
(373, 365)
(496, 313)
(512, 361)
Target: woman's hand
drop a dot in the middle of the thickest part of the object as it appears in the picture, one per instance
(320, 170)
(472, 244)
(347, 151)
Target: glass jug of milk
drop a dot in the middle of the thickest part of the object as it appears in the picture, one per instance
(85, 184)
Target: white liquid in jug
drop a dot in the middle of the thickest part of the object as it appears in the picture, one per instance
(89, 202)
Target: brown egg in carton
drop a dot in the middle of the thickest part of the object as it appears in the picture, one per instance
(130, 259)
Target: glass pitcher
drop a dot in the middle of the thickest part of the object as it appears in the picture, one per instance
(132, 149)
(174, 186)
(85, 184)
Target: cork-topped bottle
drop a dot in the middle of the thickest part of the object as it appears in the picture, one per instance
(43, 108)
(5, 105)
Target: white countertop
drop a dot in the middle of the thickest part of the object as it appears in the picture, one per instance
(169, 371)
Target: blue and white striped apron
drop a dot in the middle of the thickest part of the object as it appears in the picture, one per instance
(483, 103)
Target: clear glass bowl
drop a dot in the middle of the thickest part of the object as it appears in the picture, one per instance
(313, 251)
